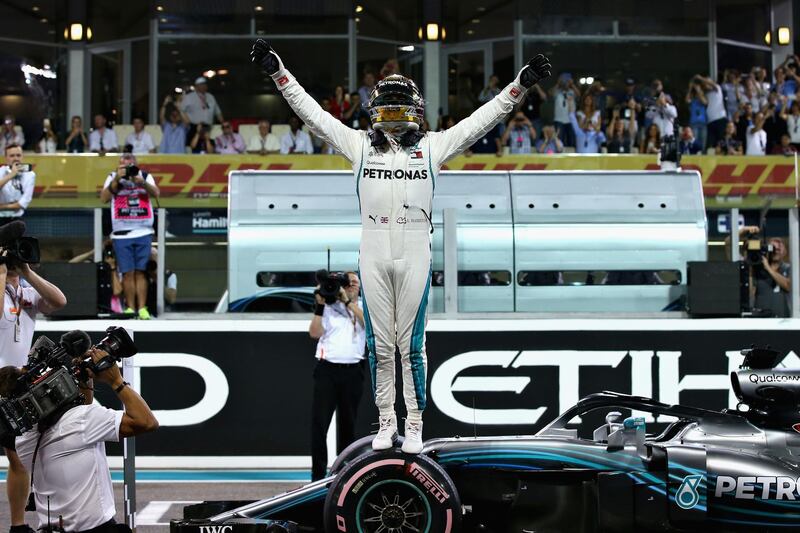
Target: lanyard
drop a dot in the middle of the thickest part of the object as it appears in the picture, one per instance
(17, 299)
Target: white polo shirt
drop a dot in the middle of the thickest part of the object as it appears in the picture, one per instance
(71, 467)
(106, 142)
(141, 142)
(344, 339)
(18, 189)
(15, 341)
(756, 142)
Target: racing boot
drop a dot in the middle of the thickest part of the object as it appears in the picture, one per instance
(413, 436)
(387, 432)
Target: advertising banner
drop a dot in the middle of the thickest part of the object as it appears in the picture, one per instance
(243, 388)
(201, 181)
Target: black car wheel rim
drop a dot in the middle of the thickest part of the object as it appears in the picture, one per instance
(393, 506)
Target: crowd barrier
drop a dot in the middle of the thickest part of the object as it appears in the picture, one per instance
(75, 180)
(237, 393)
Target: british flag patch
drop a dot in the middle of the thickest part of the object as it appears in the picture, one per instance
(416, 154)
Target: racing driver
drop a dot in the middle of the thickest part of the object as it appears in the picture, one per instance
(396, 167)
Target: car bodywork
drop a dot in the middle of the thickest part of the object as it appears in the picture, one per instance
(717, 470)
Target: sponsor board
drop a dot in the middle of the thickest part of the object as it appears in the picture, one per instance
(201, 181)
(244, 388)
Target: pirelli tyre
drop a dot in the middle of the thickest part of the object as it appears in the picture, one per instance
(392, 492)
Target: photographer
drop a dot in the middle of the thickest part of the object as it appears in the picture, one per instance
(662, 114)
(66, 453)
(520, 134)
(339, 374)
(16, 334)
(770, 282)
(16, 185)
(132, 222)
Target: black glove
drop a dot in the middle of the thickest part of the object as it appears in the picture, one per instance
(536, 70)
(264, 56)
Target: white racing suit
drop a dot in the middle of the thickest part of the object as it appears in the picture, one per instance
(395, 187)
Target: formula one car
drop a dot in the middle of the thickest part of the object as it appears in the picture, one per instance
(729, 470)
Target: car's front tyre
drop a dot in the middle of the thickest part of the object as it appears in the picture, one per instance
(392, 491)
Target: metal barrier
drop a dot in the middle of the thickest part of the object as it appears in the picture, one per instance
(516, 237)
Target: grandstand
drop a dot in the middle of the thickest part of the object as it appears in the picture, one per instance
(591, 228)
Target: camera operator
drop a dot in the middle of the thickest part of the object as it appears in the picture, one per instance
(339, 374)
(770, 283)
(16, 185)
(129, 190)
(66, 453)
(16, 335)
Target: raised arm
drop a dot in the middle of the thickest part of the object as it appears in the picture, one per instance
(346, 141)
(453, 141)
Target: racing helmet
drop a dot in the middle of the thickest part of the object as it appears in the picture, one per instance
(396, 102)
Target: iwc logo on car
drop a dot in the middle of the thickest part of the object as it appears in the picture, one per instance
(687, 496)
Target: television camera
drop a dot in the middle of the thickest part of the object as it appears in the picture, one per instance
(48, 385)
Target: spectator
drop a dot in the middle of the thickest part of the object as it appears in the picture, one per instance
(201, 142)
(620, 138)
(729, 144)
(132, 219)
(753, 95)
(600, 97)
(549, 143)
(296, 141)
(174, 127)
(48, 142)
(352, 115)
(366, 125)
(733, 91)
(588, 139)
(140, 141)
(698, 119)
(446, 122)
(200, 105)
(743, 119)
(786, 76)
(663, 114)
(16, 185)
(588, 112)
(771, 283)
(76, 141)
(520, 133)
(229, 142)
(759, 74)
(785, 147)
(629, 95)
(532, 105)
(651, 144)
(340, 102)
(102, 139)
(793, 122)
(688, 145)
(491, 90)
(489, 143)
(265, 142)
(9, 134)
(390, 67)
(756, 136)
(366, 90)
(562, 92)
(774, 123)
(715, 110)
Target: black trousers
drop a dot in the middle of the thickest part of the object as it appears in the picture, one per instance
(337, 387)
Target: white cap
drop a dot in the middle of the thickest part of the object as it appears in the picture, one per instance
(200, 80)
